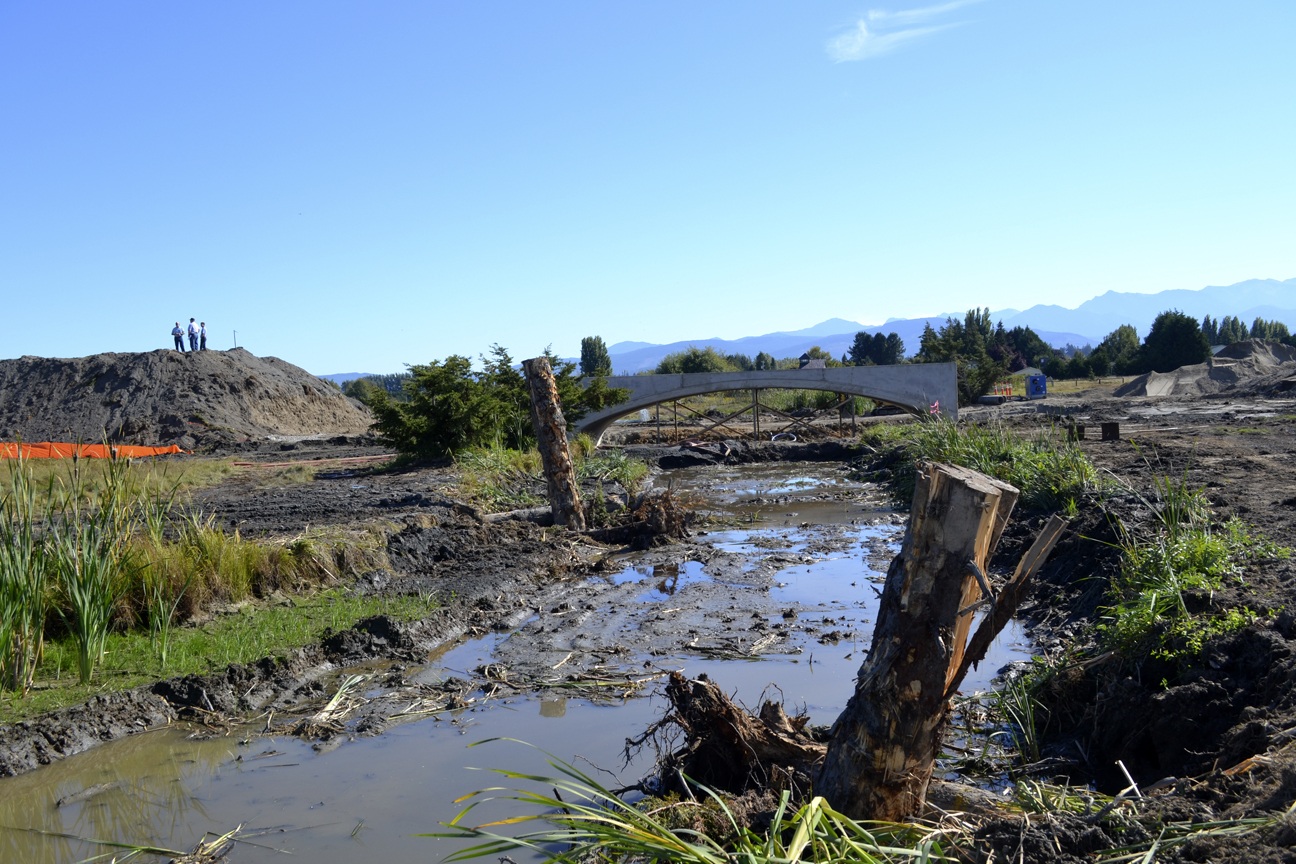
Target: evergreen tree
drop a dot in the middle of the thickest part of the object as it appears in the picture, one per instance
(965, 344)
(449, 408)
(1232, 330)
(595, 362)
(861, 350)
(1077, 366)
(1272, 330)
(875, 350)
(1210, 329)
(1175, 340)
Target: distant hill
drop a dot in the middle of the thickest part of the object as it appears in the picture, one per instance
(340, 378)
(1270, 299)
(1087, 324)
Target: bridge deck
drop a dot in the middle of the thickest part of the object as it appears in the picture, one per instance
(920, 388)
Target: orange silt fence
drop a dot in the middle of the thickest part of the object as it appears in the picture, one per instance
(61, 450)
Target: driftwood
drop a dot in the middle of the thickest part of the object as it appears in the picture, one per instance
(551, 436)
(727, 747)
(879, 757)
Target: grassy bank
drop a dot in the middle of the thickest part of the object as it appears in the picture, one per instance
(1052, 473)
(106, 581)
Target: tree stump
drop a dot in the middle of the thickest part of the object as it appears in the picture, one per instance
(551, 437)
(883, 746)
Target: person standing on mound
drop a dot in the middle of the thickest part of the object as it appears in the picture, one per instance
(178, 334)
(202, 335)
(193, 335)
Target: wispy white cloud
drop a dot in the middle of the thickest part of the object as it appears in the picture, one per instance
(881, 32)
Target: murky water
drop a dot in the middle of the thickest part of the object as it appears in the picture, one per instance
(367, 799)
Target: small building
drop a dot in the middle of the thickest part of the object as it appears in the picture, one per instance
(808, 362)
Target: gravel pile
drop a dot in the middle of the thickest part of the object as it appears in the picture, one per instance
(199, 400)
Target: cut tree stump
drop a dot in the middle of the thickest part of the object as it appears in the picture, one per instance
(551, 437)
(878, 761)
(883, 747)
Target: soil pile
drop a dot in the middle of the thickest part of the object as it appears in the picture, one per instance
(1254, 367)
(198, 400)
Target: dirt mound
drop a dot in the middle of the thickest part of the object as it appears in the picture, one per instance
(1265, 353)
(1253, 367)
(198, 400)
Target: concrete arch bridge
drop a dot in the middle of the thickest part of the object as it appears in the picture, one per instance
(919, 388)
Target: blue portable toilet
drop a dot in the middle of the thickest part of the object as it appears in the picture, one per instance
(1036, 386)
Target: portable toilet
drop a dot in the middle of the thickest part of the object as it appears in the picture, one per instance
(1036, 386)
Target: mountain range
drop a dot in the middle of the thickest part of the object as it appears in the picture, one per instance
(1087, 324)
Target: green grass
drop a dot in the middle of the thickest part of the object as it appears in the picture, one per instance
(1162, 603)
(500, 479)
(100, 563)
(247, 635)
(583, 821)
(1051, 473)
(1150, 612)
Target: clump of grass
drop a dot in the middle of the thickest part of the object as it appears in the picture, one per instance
(1018, 704)
(1050, 472)
(499, 478)
(145, 477)
(502, 479)
(584, 821)
(88, 540)
(100, 550)
(1161, 601)
(616, 466)
(1154, 607)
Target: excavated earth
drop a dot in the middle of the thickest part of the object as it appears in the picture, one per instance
(198, 400)
(1212, 741)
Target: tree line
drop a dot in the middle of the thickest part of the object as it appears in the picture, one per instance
(443, 407)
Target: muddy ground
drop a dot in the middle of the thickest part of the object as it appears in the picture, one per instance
(1218, 735)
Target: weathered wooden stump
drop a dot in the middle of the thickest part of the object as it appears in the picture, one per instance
(879, 760)
(884, 744)
(551, 437)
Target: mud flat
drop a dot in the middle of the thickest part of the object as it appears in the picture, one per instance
(776, 597)
(1214, 739)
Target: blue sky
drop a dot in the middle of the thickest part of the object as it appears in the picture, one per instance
(362, 186)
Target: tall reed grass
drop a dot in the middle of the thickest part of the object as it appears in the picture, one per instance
(87, 552)
(24, 582)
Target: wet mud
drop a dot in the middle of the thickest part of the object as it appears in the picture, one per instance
(1216, 739)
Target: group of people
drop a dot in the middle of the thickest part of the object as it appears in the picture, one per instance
(197, 336)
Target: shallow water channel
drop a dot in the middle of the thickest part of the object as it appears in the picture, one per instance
(823, 538)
